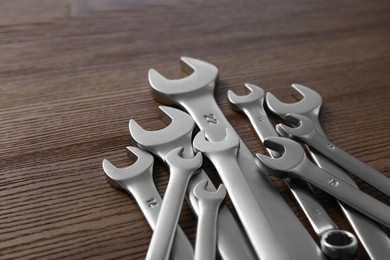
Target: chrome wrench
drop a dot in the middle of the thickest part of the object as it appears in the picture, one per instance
(306, 132)
(294, 163)
(195, 94)
(137, 180)
(232, 242)
(346, 243)
(372, 237)
(206, 233)
(181, 170)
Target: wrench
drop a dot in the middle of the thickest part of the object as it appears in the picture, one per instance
(374, 240)
(252, 105)
(206, 234)
(195, 94)
(223, 155)
(294, 163)
(137, 180)
(231, 241)
(306, 132)
(181, 171)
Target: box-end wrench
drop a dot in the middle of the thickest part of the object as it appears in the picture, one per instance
(181, 170)
(206, 233)
(294, 163)
(195, 94)
(371, 235)
(137, 180)
(252, 105)
(231, 241)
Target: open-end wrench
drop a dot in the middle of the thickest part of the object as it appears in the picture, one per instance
(181, 170)
(206, 233)
(223, 155)
(252, 105)
(372, 237)
(137, 180)
(306, 132)
(231, 241)
(294, 163)
(278, 222)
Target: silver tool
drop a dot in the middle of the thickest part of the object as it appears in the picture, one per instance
(195, 94)
(137, 180)
(294, 163)
(206, 233)
(181, 171)
(223, 155)
(373, 238)
(252, 105)
(231, 241)
(306, 132)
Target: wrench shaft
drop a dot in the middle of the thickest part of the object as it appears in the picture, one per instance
(350, 163)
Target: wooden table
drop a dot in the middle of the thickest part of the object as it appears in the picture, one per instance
(72, 73)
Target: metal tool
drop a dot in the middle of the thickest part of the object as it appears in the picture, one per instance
(231, 241)
(206, 234)
(294, 163)
(306, 132)
(252, 105)
(223, 155)
(181, 170)
(278, 222)
(137, 180)
(373, 238)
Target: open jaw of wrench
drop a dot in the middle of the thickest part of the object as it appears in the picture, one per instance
(278, 223)
(371, 235)
(231, 241)
(181, 170)
(137, 180)
(294, 163)
(206, 234)
(305, 131)
(346, 244)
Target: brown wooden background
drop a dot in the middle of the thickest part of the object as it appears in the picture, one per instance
(72, 73)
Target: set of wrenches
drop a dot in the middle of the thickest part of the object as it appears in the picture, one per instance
(266, 227)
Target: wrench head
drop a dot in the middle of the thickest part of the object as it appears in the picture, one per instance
(212, 197)
(123, 177)
(309, 105)
(161, 142)
(255, 97)
(231, 142)
(292, 156)
(175, 160)
(203, 77)
(302, 130)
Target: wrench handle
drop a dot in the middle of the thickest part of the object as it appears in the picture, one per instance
(347, 193)
(350, 163)
(149, 200)
(206, 234)
(162, 239)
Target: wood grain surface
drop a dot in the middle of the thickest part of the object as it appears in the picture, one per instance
(72, 73)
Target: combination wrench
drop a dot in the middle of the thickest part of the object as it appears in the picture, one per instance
(279, 224)
(252, 105)
(294, 163)
(231, 241)
(137, 180)
(371, 235)
(181, 170)
(206, 233)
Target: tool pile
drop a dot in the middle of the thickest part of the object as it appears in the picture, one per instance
(268, 228)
